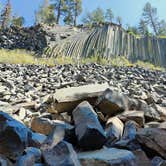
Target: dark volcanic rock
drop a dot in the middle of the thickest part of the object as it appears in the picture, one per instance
(153, 141)
(31, 156)
(105, 157)
(129, 130)
(112, 102)
(13, 136)
(89, 132)
(61, 154)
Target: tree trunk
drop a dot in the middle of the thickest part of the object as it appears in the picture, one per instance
(153, 25)
(75, 14)
(58, 12)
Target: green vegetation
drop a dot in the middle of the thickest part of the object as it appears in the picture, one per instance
(100, 16)
(24, 57)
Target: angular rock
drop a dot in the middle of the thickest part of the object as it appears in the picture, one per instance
(158, 161)
(152, 124)
(61, 154)
(36, 139)
(4, 161)
(31, 156)
(127, 144)
(65, 100)
(114, 130)
(153, 140)
(162, 125)
(105, 157)
(141, 158)
(137, 116)
(13, 136)
(129, 130)
(112, 102)
(42, 125)
(89, 132)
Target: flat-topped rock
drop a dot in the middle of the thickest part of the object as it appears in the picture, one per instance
(106, 157)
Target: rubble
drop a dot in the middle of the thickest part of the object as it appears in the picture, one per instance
(118, 125)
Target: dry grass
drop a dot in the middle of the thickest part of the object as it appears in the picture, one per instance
(24, 57)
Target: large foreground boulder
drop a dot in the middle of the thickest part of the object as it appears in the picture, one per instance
(13, 136)
(105, 157)
(66, 99)
(153, 140)
(88, 129)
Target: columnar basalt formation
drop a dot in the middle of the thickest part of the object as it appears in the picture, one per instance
(107, 40)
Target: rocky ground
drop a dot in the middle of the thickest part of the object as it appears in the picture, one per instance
(82, 115)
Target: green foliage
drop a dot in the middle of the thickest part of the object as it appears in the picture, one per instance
(77, 10)
(133, 30)
(143, 28)
(150, 17)
(98, 15)
(95, 16)
(6, 15)
(109, 15)
(60, 8)
(18, 21)
(162, 28)
(45, 14)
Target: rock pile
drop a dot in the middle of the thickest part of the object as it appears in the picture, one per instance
(33, 38)
(82, 115)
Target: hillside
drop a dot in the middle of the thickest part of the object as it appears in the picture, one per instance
(106, 41)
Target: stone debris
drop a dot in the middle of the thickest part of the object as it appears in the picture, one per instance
(69, 115)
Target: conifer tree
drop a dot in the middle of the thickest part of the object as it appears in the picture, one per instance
(6, 15)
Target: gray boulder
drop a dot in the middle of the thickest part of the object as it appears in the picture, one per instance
(13, 136)
(105, 157)
(61, 154)
(88, 129)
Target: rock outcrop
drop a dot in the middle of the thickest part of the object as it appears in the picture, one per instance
(105, 41)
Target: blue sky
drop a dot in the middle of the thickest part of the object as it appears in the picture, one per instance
(129, 10)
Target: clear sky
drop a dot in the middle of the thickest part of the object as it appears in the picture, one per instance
(129, 10)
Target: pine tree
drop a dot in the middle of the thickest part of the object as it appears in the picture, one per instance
(142, 27)
(77, 10)
(162, 28)
(109, 15)
(60, 8)
(18, 21)
(6, 15)
(150, 17)
(45, 14)
(95, 16)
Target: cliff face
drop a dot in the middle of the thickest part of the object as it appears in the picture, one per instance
(110, 41)
(106, 41)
